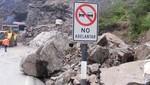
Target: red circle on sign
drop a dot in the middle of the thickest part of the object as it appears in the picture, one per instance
(80, 9)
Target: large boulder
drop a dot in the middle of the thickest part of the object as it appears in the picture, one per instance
(53, 53)
(49, 57)
(123, 74)
(42, 38)
(33, 66)
(110, 40)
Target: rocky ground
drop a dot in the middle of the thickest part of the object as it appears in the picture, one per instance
(60, 64)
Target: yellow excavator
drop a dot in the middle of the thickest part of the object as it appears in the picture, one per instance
(11, 29)
(11, 32)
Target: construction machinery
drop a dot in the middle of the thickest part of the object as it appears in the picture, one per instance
(11, 32)
(11, 29)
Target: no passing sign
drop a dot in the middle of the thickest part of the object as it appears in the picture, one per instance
(85, 21)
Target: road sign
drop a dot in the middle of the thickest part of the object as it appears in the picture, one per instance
(85, 22)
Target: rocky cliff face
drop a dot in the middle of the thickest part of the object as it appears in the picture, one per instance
(47, 11)
(8, 6)
(43, 12)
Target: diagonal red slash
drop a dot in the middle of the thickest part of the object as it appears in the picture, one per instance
(86, 15)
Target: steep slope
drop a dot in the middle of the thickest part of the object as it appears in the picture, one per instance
(8, 6)
(47, 11)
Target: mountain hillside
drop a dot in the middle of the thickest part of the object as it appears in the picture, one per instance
(8, 6)
(40, 12)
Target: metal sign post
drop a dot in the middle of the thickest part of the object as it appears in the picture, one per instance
(84, 63)
(85, 29)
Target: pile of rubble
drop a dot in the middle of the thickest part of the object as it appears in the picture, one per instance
(61, 64)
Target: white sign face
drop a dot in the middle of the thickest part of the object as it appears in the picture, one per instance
(85, 22)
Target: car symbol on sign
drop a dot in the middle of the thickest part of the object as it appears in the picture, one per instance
(81, 14)
(90, 14)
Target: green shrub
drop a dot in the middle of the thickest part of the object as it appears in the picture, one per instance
(137, 12)
(145, 25)
(116, 14)
(140, 18)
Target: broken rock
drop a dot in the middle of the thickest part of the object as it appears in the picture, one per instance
(98, 54)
